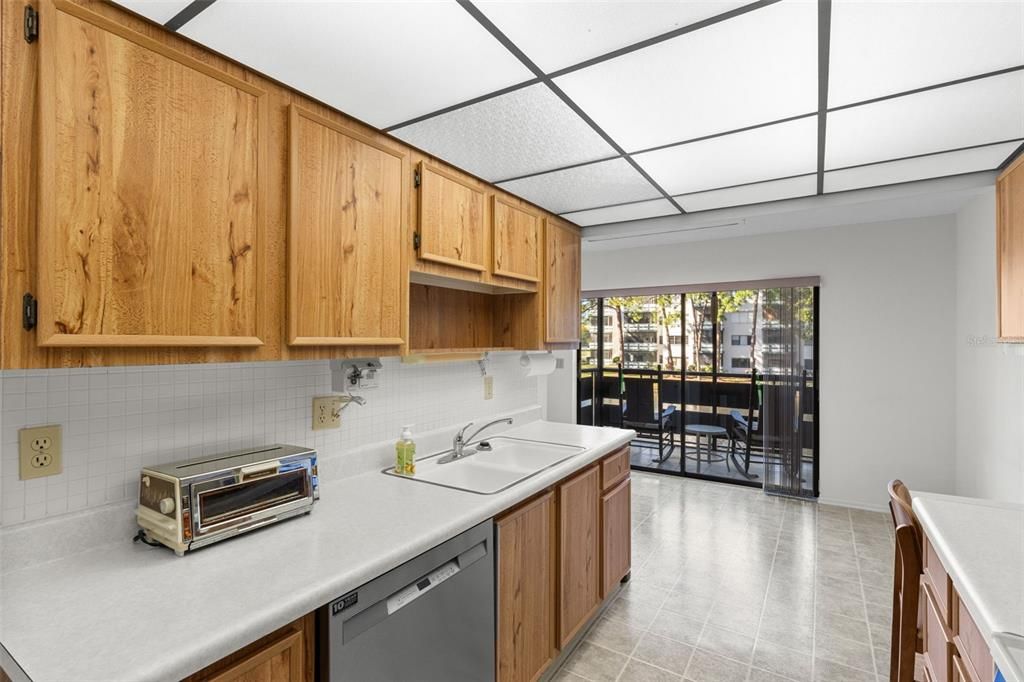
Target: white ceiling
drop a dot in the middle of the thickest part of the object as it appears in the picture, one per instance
(561, 102)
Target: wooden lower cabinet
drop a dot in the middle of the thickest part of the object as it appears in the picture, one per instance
(286, 655)
(615, 536)
(526, 590)
(579, 552)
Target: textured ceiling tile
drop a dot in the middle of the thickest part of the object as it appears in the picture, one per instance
(921, 168)
(160, 11)
(382, 62)
(978, 112)
(525, 131)
(755, 68)
(881, 48)
(618, 214)
(558, 34)
(773, 190)
(590, 186)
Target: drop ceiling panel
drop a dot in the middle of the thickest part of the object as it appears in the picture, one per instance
(590, 186)
(880, 48)
(382, 62)
(525, 131)
(160, 11)
(558, 34)
(921, 168)
(773, 190)
(978, 112)
(755, 68)
(618, 214)
(773, 151)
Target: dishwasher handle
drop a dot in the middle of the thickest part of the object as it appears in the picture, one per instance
(388, 606)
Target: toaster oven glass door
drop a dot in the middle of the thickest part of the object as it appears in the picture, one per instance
(236, 501)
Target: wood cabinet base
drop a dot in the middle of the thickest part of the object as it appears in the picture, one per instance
(286, 655)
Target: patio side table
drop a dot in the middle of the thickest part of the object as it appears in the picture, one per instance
(711, 433)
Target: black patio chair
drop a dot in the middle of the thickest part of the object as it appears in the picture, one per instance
(644, 411)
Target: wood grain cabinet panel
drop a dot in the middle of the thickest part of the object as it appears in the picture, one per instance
(451, 220)
(526, 590)
(615, 540)
(562, 282)
(152, 175)
(346, 223)
(938, 647)
(517, 241)
(286, 655)
(579, 552)
(1010, 250)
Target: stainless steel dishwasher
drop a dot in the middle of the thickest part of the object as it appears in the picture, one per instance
(431, 619)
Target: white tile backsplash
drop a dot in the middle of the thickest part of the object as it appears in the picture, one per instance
(119, 419)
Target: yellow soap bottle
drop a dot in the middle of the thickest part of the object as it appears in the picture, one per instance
(405, 453)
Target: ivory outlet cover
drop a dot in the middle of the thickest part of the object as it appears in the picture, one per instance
(326, 412)
(39, 452)
(488, 387)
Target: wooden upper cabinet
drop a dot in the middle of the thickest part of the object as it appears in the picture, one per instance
(517, 241)
(1010, 250)
(562, 283)
(452, 211)
(346, 222)
(152, 170)
(579, 552)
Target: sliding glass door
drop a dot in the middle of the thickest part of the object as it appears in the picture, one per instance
(702, 377)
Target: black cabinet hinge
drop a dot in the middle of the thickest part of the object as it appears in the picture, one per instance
(31, 24)
(416, 240)
(416, 178)
(29, 312)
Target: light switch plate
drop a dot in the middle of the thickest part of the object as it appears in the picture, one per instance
(39, 451)
(326, 412)
(488, 387)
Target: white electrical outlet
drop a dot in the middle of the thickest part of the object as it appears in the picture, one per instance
(40, 451)
(326, 412)
(488, 387)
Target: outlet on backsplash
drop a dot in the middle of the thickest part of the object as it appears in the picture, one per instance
(326, 413)
(40, 451)
(488, 387)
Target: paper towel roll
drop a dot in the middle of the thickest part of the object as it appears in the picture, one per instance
(538, 365)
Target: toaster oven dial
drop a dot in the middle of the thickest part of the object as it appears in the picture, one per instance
(167, 505)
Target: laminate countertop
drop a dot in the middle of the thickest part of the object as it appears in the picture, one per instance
(981, 545)
(132, 612)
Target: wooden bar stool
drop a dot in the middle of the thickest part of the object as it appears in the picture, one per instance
(906, 589)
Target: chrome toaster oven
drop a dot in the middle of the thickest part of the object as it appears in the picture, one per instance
(188, 505)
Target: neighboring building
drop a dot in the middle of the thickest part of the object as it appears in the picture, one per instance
(643, 343)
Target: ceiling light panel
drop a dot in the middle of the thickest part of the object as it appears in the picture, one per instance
(755, 68)
(773, 151)
(880, 48)
(525, 131)
(382, 62)
(920, 168)
(558, 34)
(773, 190)
(978, 112)
(619, 214)
(160, 11)
(590, 186)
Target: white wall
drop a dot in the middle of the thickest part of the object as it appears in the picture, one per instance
(886, 324)
(990, 376)
(119, 419)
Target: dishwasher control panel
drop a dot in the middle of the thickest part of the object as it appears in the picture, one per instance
(417, 589)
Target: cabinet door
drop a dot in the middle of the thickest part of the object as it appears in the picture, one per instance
(152, 174)
(516, 238)
(526, 590)
(1010, 251)
(562, 283)
(346, 214)
(279, 661)
(615, 537)
(579, 552)
(451, 220)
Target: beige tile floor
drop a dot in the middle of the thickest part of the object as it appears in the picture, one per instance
(729, 584)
